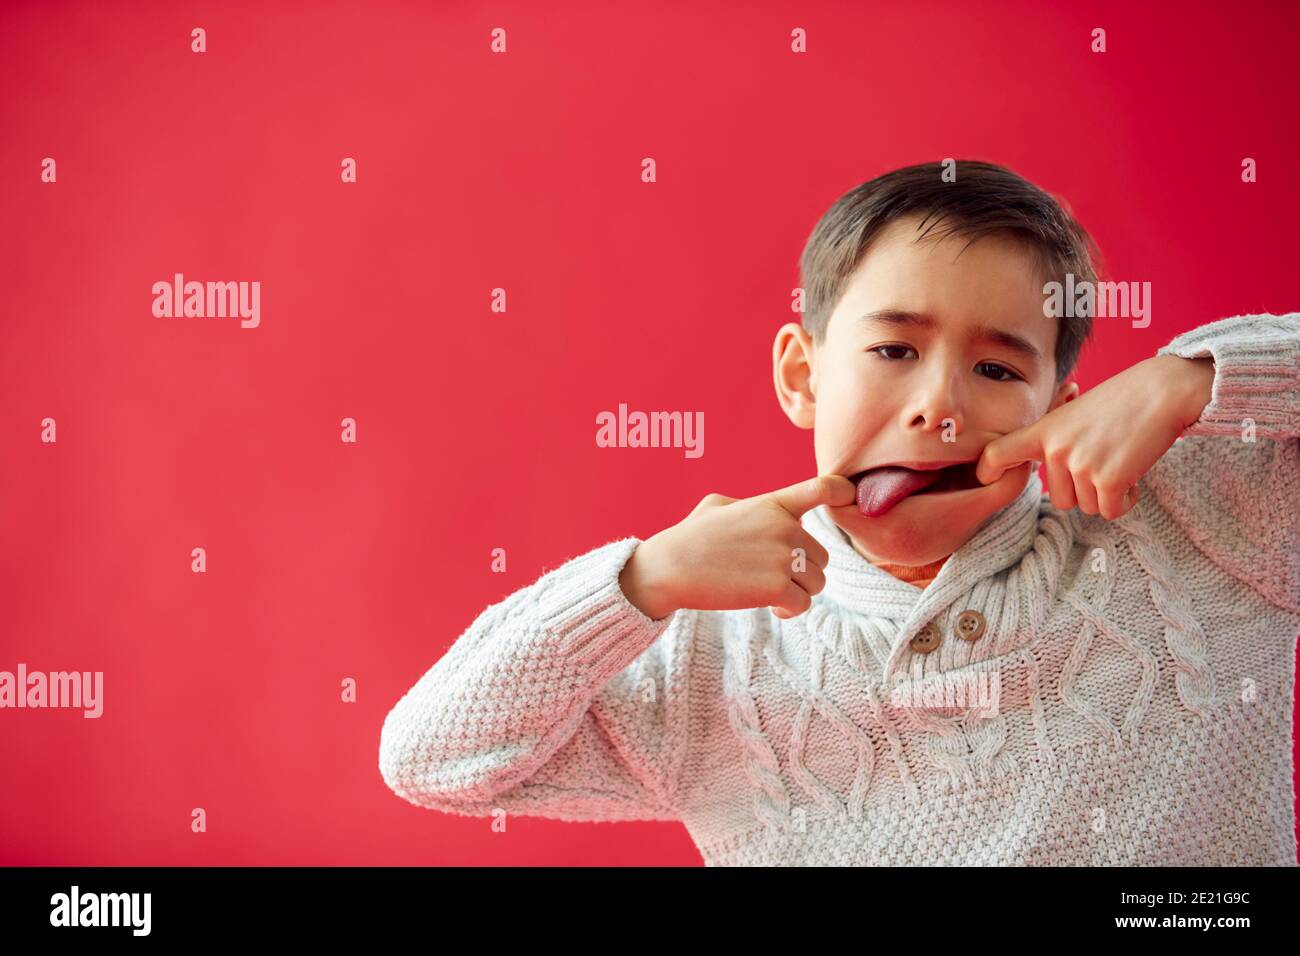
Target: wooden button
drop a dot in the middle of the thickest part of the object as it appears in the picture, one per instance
(970, 625)
(927, 639)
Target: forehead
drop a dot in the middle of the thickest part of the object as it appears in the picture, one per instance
(994, 279)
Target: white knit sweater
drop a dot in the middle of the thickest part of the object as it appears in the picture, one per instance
(1144, 671)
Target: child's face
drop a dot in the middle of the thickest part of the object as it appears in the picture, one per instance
(886, 389)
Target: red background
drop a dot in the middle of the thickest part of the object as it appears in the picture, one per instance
(476, 429)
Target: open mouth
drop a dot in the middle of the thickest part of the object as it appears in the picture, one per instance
(880, 489)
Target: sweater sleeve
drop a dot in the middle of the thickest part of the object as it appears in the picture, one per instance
(564, 700)
(1232, 480)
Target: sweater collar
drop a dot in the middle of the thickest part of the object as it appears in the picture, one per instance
(974, 576)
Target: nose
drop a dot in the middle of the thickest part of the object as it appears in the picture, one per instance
(935, 406)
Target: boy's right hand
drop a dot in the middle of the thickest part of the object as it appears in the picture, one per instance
(729, 554)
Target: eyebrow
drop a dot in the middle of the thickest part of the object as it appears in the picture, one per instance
(980, 333)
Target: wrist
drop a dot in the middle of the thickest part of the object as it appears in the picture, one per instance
(1191, 385)
(643, 585)
(1200, 383)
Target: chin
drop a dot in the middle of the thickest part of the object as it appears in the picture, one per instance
(923, 528)
(903, 536)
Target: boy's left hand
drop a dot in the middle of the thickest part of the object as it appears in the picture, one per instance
(1098, 445)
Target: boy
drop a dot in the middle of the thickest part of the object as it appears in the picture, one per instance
(918, 657)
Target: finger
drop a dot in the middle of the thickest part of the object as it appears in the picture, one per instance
(808, 494)
(1087, 495)
(811, 580)
(813, 551)
(795, 601)
(1022, 445)
(1060, 486)
(1114, 505)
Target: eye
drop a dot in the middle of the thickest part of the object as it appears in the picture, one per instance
(996, 372)
(895, 348)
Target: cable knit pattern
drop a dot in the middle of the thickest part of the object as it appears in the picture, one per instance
(1133, 680)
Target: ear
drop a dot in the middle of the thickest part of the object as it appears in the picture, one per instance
(793, 374)
(1067, 392)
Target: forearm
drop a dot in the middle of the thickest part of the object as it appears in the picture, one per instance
(515, 688)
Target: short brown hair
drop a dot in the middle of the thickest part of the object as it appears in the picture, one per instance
(983, 198)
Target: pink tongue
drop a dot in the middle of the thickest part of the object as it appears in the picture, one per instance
(882, 488)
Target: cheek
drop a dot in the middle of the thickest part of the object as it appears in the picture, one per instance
(1006, 414)
(848, 408)
(854, 400)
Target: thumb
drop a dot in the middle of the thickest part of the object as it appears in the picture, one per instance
(808, 494)
(1008, 451)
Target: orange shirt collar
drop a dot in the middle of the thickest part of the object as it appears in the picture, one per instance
(919, 575)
